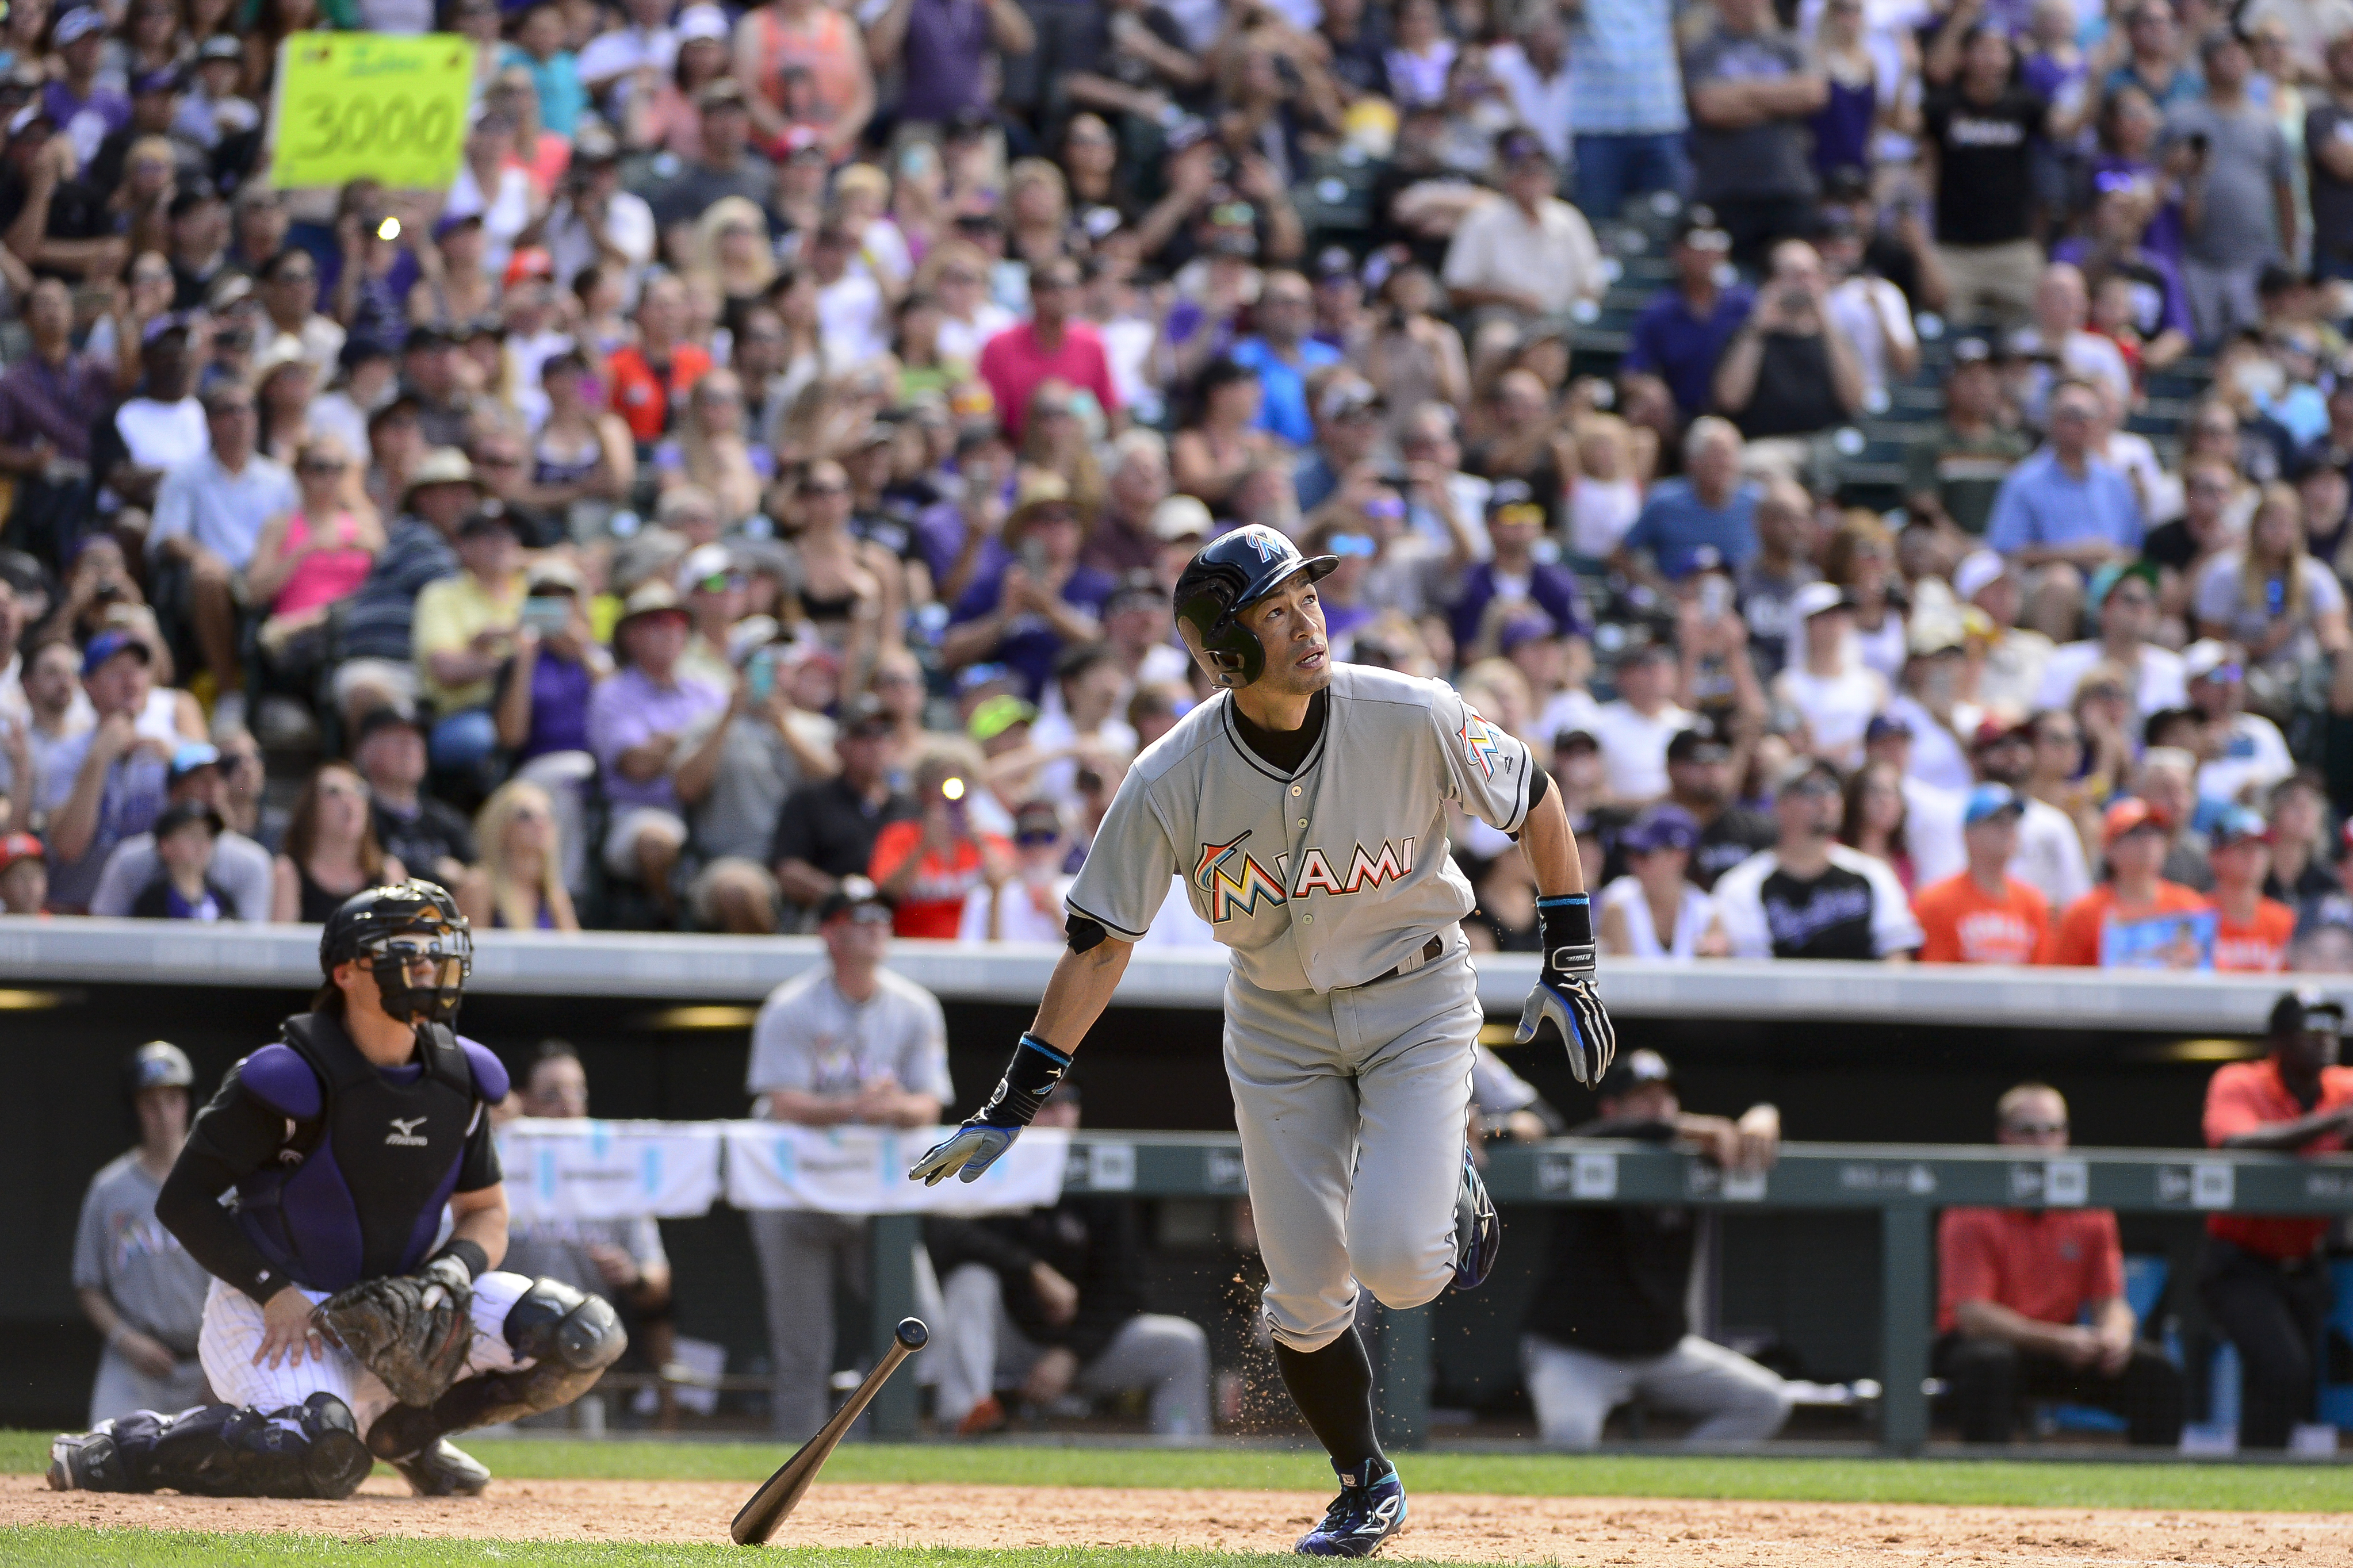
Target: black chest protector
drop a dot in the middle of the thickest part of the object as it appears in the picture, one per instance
(369, 1163)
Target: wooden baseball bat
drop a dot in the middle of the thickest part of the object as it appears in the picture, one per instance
(780, 1492)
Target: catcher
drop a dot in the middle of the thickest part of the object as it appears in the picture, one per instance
(342, 1325)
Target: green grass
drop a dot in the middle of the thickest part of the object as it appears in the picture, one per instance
(2295, 1487)
(70, 1548)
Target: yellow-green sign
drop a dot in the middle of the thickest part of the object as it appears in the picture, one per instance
(354, 106)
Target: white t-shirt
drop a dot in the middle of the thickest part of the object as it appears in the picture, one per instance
(1571, 707)
(2254, 755)
(166, 435)
(1932, 831)
(958, 341)
(1837, 708)
(1871, 312)
(2050, 855)
(1024, 913)
(2161, 683)
(1634, 749)
(1600, 511)
(1940, 756)
(851, 321)
(1692, 917)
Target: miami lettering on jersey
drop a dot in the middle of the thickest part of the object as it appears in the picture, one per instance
(1237, 888)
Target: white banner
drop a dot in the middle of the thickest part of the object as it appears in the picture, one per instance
(863, 1169)
(585, 1170)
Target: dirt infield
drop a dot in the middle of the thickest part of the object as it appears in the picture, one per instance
(1623, 1534)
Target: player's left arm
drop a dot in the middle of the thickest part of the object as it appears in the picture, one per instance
(1565, 995)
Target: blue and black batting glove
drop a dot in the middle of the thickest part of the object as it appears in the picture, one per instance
(1565, 995)
(989, 1132)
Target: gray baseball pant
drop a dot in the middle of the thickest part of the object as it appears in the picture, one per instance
(1575, 1391)
(803, 1256)
(980, 1350)
(1351, 1108)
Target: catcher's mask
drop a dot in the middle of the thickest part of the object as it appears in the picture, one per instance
(413, 939)
(1228, 577)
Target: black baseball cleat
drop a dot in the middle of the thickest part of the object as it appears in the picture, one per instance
(1477, 1232)
(1360, 1519)
(87, 1462)
(442, 1468)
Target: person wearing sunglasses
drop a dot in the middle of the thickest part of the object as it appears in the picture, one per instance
(2032, 1301)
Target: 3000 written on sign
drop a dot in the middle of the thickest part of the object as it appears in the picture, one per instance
(372, 105)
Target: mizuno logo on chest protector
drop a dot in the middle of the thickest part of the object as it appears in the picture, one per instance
(404, 1133)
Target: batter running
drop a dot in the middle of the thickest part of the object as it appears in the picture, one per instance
(1305, 807)
(344, 1144)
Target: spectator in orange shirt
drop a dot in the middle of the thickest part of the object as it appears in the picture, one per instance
(2251, 932)
(648, 376)
(2032, 1301)
(928, 865)
(1983, 914)
(2137, 838)
(2265, 1280)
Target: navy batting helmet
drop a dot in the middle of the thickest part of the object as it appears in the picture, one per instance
(396, 929)
(1228, 577)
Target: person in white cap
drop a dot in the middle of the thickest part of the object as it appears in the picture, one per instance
(2244, 753)
(2010, 677)
(1825, 681)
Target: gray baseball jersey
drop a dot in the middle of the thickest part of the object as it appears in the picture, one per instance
(1324, 878)
(120, 1249)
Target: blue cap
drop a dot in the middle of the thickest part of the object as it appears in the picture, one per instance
(1660, 827)
(1989, 800)
(192, 755)
(108, 643)
(1882, 725)
(2240, 825)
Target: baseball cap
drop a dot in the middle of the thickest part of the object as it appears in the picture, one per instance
(718, 92)
(1699, 743)
(160, 1064)
(1576, 739)
(1346, 396)
(1817, 598)
(1884, 727)
(1036, 821)
(997, 715)
(2296, 1011)
(220, 46)
(1989, 800)
(78, 23)
(1138, 587)
(864, 715)
(110, 642)
(162, 79)
(488, 520)
(1977, 571)
(1522, 630)
(1181, 517)
(2208, 660)
(2131, 815)
(189, 757)
(1660, 827)
(1804, 770)
(1634, 1070)
(1701, 231)
(853, 896)
(386, 716)
(702, 22)
(1513, 501)
(1517, 145)
(1648, 652)
(2240, 825)
(552, 573)
(703, 564)
(15, 847)
(174, 817)
(1976, 349)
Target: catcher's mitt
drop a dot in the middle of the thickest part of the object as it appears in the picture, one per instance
(412, 1331)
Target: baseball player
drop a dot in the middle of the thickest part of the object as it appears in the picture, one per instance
(1305, 807)
(134, 1280)
(344, 1142)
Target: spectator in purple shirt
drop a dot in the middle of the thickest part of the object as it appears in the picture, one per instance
(541, 708)
(635, 720)
(49, 401)
(1682, 331)
(943, 47)
(1512, 580)
(1029, 596)
(85, 111)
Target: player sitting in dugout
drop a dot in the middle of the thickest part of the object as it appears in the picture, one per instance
(336, 1331)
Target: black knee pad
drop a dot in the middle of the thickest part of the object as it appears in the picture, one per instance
(554, 1322)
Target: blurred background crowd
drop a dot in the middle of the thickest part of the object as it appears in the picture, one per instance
(1889, 459)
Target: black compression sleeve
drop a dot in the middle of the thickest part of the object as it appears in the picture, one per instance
(1539, 781)
(189, 1207)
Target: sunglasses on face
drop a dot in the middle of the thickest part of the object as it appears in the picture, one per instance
(2038, 1129)
(319, 466)
(825, 489)
(1036, 841)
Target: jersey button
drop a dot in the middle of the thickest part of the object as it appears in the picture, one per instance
(1294, 790)
(1303, 822)
(1308, 919)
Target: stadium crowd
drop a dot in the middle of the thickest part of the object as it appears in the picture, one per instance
(1903, 495)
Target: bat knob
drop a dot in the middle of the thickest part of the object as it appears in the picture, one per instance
(913, 1334)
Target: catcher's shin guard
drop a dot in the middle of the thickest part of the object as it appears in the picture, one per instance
(571, 1337)
(307, 1450)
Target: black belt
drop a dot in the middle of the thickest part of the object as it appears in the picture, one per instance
(1430, 950)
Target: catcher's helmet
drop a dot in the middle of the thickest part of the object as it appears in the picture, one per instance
(394, 928)
(1228, 577)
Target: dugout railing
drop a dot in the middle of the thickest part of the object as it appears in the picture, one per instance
(1907, 1184)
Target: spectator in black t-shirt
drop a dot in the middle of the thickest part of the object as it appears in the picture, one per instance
(1609, 1322)
(827, 830)
(1810, 896)
(1702, 771)
(430, 837)
(2328, 144)
(1976, 151)
(1790, 371)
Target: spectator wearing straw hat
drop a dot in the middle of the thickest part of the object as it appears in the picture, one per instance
(1030, 596)
(637, 717)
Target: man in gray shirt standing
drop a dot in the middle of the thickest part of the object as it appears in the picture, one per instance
(2237, 197)
(847, 1043)
(135, 1283)
(1753, 88)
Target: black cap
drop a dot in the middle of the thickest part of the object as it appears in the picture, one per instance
(862, 713)
(1975, 349)
(179, 815)
(1632, 1071)
(849, 894)
(1699, 743)
(2293, 1013)
(384, 718)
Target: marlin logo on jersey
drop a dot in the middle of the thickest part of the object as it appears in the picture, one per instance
(404, 1133)
(1480, 742)
(1232, 892)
